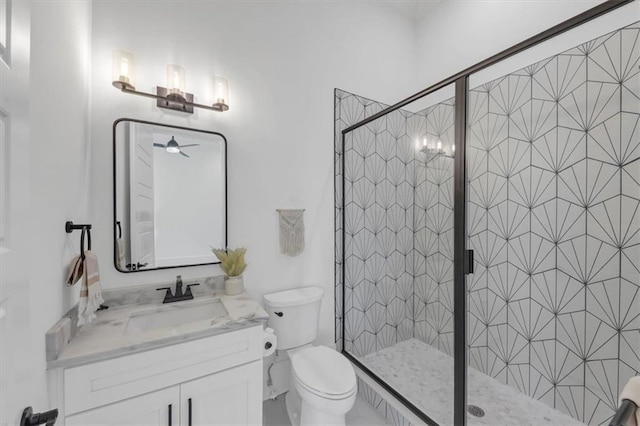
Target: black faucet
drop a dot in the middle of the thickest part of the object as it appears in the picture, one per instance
(179, 296)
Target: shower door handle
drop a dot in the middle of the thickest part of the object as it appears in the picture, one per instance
(468, 262)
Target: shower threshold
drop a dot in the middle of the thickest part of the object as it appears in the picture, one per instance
(424, 376)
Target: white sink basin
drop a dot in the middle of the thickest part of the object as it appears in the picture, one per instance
(174, 315)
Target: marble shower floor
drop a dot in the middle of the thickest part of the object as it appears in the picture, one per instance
(424, 375)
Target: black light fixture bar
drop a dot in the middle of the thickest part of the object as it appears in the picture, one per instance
(175, 104)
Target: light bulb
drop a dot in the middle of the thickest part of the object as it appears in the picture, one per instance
(176, 81)
(124, 67)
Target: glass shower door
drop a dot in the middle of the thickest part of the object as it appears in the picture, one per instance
(398, 249)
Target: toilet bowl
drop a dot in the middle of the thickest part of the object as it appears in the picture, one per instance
(323, 383)
(323, 387)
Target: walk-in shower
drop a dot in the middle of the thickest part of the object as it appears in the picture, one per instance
(543, 171)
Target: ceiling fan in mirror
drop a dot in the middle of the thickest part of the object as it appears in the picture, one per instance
(173, 147)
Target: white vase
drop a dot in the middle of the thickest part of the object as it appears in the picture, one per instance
(233, 286)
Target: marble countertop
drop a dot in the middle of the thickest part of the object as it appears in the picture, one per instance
(106, 336)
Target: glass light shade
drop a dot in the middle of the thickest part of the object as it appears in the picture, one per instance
(221, 93)
(176, 80)
(123, 69)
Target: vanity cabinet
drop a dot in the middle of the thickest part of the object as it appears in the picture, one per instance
(214, 380)
(232, 397)
(151, 409)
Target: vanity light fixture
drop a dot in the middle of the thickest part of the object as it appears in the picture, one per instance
(174, 96)
(432, 150)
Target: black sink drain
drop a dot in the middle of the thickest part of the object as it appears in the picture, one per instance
(476, 411)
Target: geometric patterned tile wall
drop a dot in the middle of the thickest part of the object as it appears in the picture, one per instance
(554, 219)
(378, 246)
(348, 110)
(433, 225)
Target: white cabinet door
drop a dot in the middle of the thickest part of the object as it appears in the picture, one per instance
(158, 408)
(231, 397)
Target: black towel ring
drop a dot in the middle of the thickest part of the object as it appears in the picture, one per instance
(88, 232)
(69, 227)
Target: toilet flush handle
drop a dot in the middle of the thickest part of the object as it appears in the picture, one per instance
(279, 313)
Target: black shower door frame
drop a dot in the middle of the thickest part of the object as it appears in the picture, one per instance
(462, 256)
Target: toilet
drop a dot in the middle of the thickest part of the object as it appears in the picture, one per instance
(323, 382)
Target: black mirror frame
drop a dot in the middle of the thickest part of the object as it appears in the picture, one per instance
(115, 219)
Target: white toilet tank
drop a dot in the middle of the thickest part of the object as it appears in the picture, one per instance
(294, 315)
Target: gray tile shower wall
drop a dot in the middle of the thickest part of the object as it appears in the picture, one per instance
(381, 406)
(348, 110)
(379, 193)
(554, 219)
(433, 227)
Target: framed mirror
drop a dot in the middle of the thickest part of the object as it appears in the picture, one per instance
(170, 195)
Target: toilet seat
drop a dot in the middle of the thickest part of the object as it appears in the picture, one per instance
(324, 372)
(323, 395)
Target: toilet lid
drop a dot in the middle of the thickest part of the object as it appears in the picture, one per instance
(324, 370)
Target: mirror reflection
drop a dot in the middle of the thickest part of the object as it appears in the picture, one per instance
(169, 195)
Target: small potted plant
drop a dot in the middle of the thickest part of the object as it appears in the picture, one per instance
(232, 263)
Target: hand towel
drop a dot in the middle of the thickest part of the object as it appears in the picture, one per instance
(120, 254)
(86, 270)
(632, 392)
(291, 231)
(76, 271)
(243, 307)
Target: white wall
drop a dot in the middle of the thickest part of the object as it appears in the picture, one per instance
(283, 60)
(491, 26)
(59, 162)
(460, 33)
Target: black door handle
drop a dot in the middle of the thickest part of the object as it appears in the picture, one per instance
(468, 262)
(190, 414)
(29, 418)
(170, 416)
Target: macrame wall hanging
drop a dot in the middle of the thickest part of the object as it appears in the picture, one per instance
(291, 231)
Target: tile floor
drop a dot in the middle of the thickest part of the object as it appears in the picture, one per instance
(362, 414)
(424, 375)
